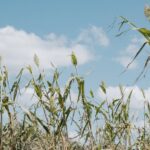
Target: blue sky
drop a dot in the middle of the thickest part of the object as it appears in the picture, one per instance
(53, 29)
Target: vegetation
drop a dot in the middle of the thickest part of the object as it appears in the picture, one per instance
(96, 124)
(48, 123)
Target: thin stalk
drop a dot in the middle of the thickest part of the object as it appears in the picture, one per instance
(144, 121)
(76, 70)
(1, 115)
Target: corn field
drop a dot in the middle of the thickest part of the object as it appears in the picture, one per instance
(49, 122)
(58, 120)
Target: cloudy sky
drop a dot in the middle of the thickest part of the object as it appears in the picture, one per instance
(53, 29)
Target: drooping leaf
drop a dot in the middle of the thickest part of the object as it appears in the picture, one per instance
(103, 87)
(145, 32)
(42, 124)
(136, 55)
(123, 32)
(126, 21)
(144, 68)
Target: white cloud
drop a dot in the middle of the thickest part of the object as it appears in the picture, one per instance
(17, 47)
(125, 60)
(27, 97)
(73, 135)
(137, 99)
(94, 35)
(129, 52)
(72, 98)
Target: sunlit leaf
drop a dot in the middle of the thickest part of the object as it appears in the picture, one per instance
(36, 60)
(103, 87)
(74, 59)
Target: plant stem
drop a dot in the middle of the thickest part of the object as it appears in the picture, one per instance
(1, 115)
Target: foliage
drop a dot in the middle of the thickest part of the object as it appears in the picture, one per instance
(99, 124)
(46, 124)
(146, 35)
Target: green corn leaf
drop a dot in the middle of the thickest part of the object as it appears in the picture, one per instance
(42, 124)
(38, 90)
(36, 60)
(144, 68)
(29, 68)
(20, 73)
(98, 109)
(84, 128)
(147, 11)
(139, 51)
(74, 59)
(91, 93)
(103, 87)
(143, 93)
(145, 32)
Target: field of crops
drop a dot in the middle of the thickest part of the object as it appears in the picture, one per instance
(58, 120)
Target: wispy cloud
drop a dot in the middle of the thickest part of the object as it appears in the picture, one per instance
(93, 35)
(28, 97)
(127, 54)
(137, 99)
(17, 47)
(125, 60)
